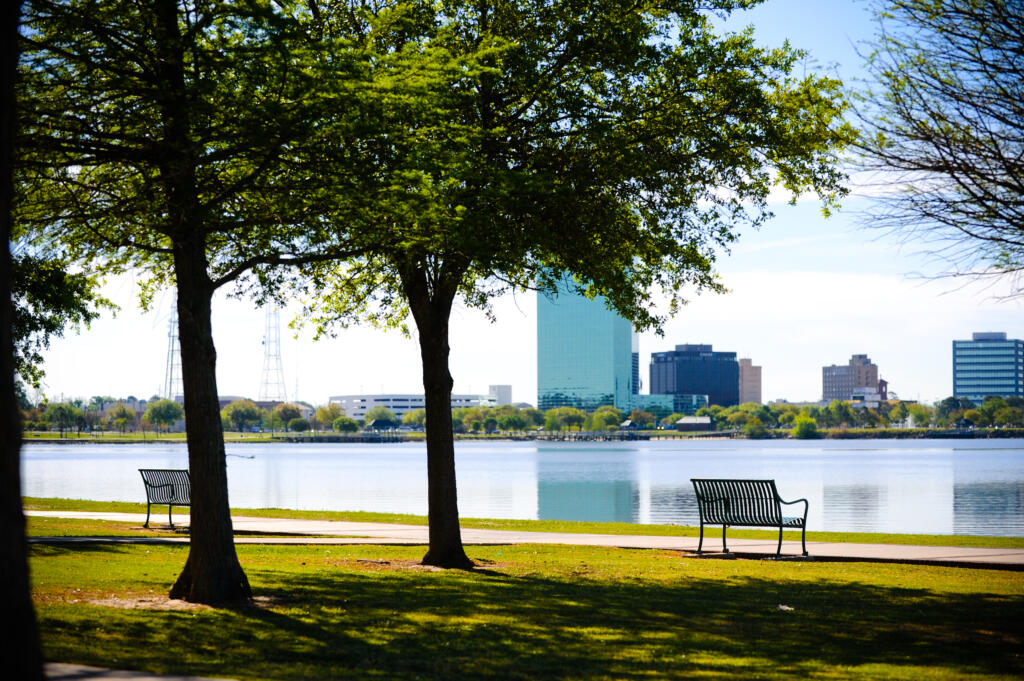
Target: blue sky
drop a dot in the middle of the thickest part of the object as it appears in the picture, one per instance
(804, 292)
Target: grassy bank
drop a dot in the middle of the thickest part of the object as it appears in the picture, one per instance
(532, 612)
(50, 504)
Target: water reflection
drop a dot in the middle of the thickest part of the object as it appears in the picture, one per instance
(980, 507)
(598, 487)
(976, 487)
(854, 506)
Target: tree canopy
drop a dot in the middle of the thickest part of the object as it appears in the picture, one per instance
(944, 127)
(619, 146)
(242, 414)
(449, 151)
(164, 413)
(154, 136)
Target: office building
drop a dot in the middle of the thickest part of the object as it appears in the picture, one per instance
(501, 394)
(659, 406)
(584, 354)
(691, 370)
(988, 364)
(750, 382)
(841, 381)
(356, 406)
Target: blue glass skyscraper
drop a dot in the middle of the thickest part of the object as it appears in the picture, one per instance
(988, 364)
(585, 354)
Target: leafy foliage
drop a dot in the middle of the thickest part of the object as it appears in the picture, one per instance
(48, 298)
(242, 414)
(163, 413)
(298, 425)
(344, 424)
(945, 128)
(804, 428)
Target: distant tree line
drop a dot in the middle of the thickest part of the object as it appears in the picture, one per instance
(752, 419)
(77, 416)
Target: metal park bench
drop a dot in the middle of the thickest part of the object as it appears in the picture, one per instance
(166, 486)
(746, 503)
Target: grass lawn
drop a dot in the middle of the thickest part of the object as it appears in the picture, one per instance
(531, 612)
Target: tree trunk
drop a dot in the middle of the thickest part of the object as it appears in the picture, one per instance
(19, 634)
(212, 573)
(431, 309)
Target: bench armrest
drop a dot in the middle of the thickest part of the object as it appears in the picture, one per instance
(804, 501)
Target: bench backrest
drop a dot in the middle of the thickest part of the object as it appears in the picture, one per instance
(167, 485)
(734, 501)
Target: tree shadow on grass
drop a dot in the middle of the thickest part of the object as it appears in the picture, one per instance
(405, 624)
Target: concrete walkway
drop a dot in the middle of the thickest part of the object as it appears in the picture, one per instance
(337, 532)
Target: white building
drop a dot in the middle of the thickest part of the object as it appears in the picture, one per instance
(502, 394)
(750, 382)
(356, 406)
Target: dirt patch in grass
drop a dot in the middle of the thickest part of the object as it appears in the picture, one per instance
(147, 603)
(163, 603)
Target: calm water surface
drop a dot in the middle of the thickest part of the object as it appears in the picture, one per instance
(916, 486)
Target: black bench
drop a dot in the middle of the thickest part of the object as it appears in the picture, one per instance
(169, 486)
(747, 503)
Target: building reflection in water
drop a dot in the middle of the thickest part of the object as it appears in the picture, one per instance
(986, 508)
(598, 488)
(857, 507)
(927, 487)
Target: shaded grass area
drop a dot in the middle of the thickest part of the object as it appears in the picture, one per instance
(39, 526)
(56, 504)
(532, 612)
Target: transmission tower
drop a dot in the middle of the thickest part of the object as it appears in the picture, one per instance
(272, 387)
(172, 372)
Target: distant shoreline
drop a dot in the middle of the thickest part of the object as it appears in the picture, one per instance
(575, 436)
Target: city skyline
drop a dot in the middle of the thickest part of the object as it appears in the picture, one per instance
(805, 292)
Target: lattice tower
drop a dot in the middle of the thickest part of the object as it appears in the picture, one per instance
(173, 389)
(272, 388)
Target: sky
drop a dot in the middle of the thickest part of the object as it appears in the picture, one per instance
(804, 292)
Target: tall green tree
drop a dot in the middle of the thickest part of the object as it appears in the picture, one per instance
(619, 145)
(19, 646)
(121, 416)
(164, 413)
(414, 417)
(242, 414)
(60, 416)
(381, 414)
(156, 137)
(944, 130)
(327, 414)
(286, 411)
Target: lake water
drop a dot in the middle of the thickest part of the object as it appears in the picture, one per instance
(907, 486)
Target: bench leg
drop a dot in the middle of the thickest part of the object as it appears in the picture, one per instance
(146, 524)
(701, 542)
(778, 551)
(169, 520)
(725, 549)
(803, 539)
